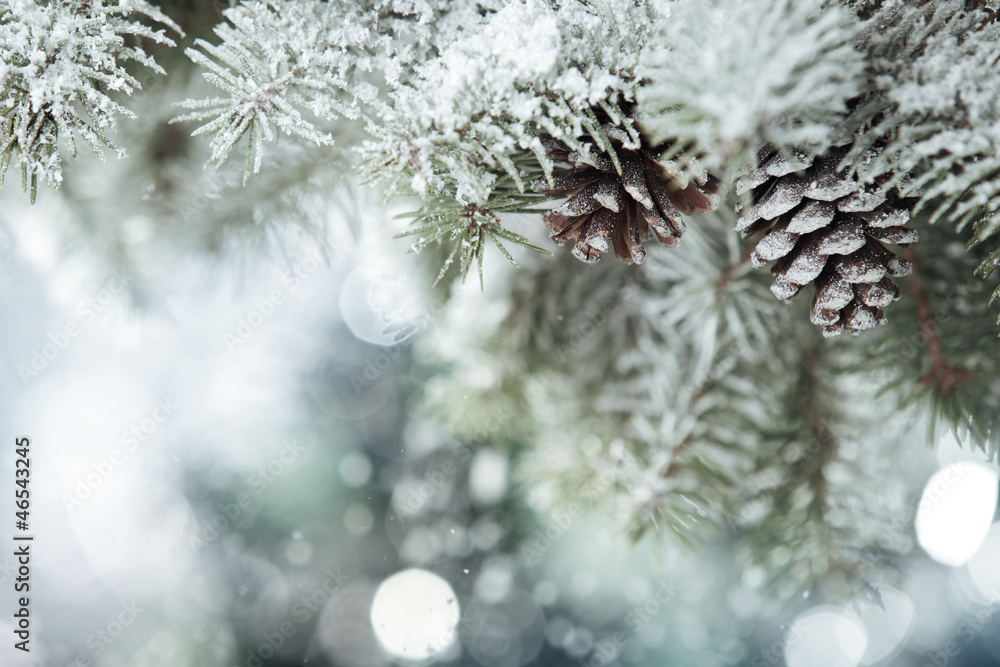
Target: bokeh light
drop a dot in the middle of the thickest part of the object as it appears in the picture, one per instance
(955, 511)
(414, 615)
(983, 568)
(827, 636)
(886, 626)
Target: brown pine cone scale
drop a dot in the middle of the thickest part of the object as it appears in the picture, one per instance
(606, 210)
(824, 228)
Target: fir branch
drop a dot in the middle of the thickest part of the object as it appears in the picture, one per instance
(281, 63)
(734, 269)
(675, 456)
(59, 60)
(789, 67)
(469, 226)
(987, 267)
(933, 64)
(475, 105)
(268, 79)
(941, 356)
(696, 415)
(798, 493)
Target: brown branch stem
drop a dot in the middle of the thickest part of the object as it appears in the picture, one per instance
(675, 459)
(826, 442)
(727, 276)
(942, 375)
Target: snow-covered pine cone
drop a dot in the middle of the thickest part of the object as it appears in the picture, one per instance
(830, 230)
(607, 210)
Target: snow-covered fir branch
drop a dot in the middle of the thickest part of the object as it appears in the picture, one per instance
(534, 68)
(458, 98)
(295, 66)
(722, 77)
(677, 397)
(825, 503)
(934, 65)
(695, 425)
(63, 63)
(267, 80)
(469, 227)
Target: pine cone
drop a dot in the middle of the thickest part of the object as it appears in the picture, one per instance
(827, 229)
(611, 209)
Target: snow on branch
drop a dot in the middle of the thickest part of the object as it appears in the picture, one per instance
(937, 70)
(275, 59)
(60, 63)
(293, 66)
(535, 68)
(697, 423)
(724, 77)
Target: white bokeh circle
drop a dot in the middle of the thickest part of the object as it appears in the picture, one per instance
(956, 510)
(414, 615)
(825, 635)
